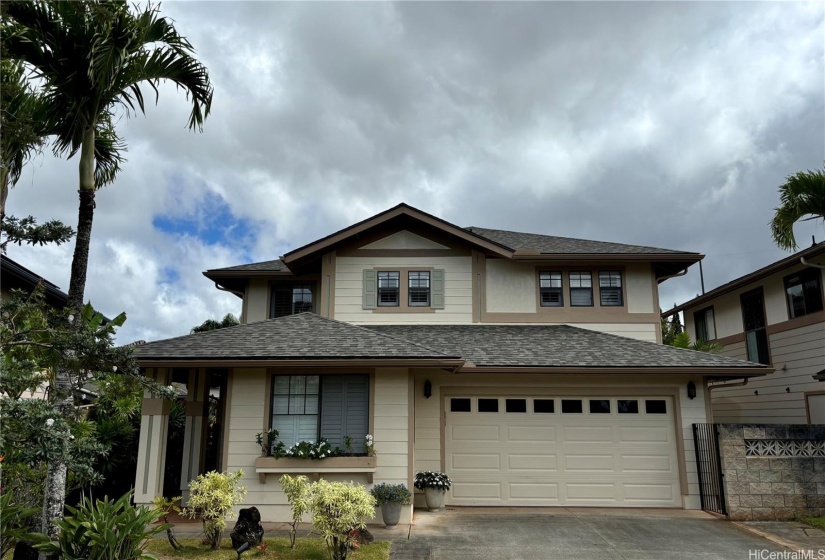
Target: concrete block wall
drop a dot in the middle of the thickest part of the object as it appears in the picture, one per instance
(773, 471)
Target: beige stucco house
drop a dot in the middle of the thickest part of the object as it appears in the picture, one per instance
(774, 316)
(527, 367)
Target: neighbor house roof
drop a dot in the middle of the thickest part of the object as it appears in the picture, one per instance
(16, 276)
(809, 253)
(265, 266)
(558, 346)
(302, 337)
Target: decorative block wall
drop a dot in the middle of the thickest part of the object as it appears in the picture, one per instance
(773, 472)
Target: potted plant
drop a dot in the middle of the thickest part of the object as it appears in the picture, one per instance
(391, 497)
(434, 485)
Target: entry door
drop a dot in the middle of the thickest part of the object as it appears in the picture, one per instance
(583, 451)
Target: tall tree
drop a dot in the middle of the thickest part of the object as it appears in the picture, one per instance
(229, 320)
(93, 57)
(802, 194)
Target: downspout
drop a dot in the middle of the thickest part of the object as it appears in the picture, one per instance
(663, 278)
(721, 385)
(812, 265)
(237, 293)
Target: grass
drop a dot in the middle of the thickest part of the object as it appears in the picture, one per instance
(818, 522)
(277, 549)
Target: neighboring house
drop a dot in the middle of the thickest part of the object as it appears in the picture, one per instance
(527, 367)
(772, 316)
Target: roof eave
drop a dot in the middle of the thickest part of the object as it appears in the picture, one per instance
(221, 274)
(726, 372)
(692, 258)
(450, 363)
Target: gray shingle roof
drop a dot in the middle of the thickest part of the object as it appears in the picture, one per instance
(552, 244)
(265, 266)
(553, 346)
(296, 337)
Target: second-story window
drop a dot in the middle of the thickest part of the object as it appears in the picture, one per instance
(704, 324)
(803, 292)
(550, 289)
(419, 288)
(581, 289)
(610, 288)
(291, 299)
(388, 288)
(753, 319)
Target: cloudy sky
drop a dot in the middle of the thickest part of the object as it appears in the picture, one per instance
(653, 123)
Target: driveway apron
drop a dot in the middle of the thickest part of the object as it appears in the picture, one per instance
(571, 535)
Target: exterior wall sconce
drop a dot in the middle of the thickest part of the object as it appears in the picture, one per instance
(428, 389)
(691, 390)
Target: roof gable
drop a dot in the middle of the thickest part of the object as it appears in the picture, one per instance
(404, 240)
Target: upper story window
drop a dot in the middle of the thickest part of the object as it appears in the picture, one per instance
(550, 289)
(704, 324)
(803, 292)
(610, 288)
(419, 288)
(756, 334)
(389, 286)
(581, 289)
(290, 299)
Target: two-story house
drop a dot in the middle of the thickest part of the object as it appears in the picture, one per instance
(527, 367)
(772, 316)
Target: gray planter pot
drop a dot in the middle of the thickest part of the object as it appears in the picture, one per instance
(391, 513)
(434, 498)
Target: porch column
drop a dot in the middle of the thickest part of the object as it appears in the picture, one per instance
(193, 440)
(154, 424)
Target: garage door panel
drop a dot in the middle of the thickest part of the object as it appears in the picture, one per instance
(604, 492)
(647, 463)
(476, 461)
(535, 435)
(647, 434)
(588, 434)
(589, 463)
(649, 492)
(525, 463)
(546, 491)
(475, 433)
(477, 490)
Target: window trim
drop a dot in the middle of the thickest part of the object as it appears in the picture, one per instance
(403, 296)
(378, 302)
(429, 289)
(802, 274)
(620, 287)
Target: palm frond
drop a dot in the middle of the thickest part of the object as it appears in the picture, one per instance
(802, 194)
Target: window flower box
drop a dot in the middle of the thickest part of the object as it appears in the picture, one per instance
(314, 468)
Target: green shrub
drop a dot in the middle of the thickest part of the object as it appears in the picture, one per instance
(391, 493)
(339, 512)
(297, 493)
(14, 521)
(104, 530)
(212, 497)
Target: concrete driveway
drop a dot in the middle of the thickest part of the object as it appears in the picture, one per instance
(572, 534)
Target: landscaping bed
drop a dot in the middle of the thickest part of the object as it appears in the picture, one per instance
(276, 548)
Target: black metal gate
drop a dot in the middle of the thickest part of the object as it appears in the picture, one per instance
(709, 467)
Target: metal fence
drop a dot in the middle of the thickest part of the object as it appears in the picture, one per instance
(709, 467)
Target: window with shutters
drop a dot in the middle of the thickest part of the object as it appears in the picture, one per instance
(610, 288)
(290, 299)
(581, 289)
(550, 289)
(313, 407)
(403, 290)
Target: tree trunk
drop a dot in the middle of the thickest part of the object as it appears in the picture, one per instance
(60, 392)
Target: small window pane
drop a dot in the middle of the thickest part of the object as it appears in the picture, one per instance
(516, 405)
(600, 406)
(570, 406)
(297, 384)
(280, 405)
(311, 404)
(460, 405)
(296, 404)
(655, 407)
(488, 405)
(313, 383)
(628, 406)
(544, 406)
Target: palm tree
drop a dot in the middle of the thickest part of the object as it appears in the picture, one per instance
(93, 57)
(802, 194)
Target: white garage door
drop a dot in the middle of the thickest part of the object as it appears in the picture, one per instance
(574, 451)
